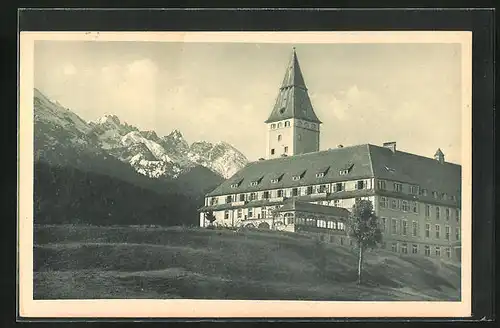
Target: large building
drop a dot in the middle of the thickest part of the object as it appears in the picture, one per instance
(299, 188)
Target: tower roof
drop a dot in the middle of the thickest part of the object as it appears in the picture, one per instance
(293, 100)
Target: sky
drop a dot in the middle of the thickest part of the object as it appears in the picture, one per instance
(363, 93)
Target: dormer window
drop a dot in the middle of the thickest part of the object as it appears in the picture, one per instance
(253, 183)
(234, 185)
(435, 194)
(274, 180)
(296, 178)
(346, 169)
(298, 175)
(322, 172)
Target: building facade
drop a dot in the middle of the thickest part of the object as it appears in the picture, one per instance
(416, 198)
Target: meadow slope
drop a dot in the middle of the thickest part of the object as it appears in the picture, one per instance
(72, 262)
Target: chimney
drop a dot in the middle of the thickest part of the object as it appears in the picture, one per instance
(391, 145)
(439, 156)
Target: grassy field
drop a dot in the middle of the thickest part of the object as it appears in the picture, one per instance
(73, 262)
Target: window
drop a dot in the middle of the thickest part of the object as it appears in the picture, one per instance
(398, 187)
(250, 212)
(295, 178)
(299, 137)
(295, 192)
(448, 252)
(423, 192)
(320, 174)
(394, 204)
(414, 249)
(414, 207)
(264, 212)
(427, 250)
(438, 251)
(279, 137)
(272, 151)
(287, 123)
(289, 220)
(253, 183)
(444, 196)
(383, 202)
(214, 200)
(381, 184)
(239, 213)
(336, 203)
(229, 199)
(341, 240)
(242, 197)
(394, 247)
(427, 230)
(414, 228)
(394, 226)
(253, 196)
(457, 233)
(322, 189)
(435, 194)
(265, 195)
(273, 126)
(457, 215)
(447, 214)
(321, 224)
(427, 211)
(338, 186)
(279, 125)
(404, 206)
(447, 233)
(360, 185)
(384, 222)
(438, 230)
(275, 180)
(280, 193)
(330, 224)
(414, 190)
(309, 190)
(405, 227)
(453, 198)
(437, 213)
(340, 226)
(286, 149)
(404, 249)
(234, 185)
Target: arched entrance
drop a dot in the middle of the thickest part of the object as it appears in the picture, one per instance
(264, 225)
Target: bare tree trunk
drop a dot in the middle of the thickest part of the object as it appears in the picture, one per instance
(360, 263)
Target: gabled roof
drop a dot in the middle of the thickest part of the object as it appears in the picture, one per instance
(293, 100)
(366, 161)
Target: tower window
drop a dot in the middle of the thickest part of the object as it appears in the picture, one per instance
(287, 123)
(282, 110)
(286, 149)
(279, 137)
(272, 151)
(279, 125)
(273, 126)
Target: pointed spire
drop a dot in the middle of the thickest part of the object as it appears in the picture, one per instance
(293, 74)
(293, 100)
(439, 156)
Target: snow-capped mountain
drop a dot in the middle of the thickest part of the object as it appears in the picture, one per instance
(58, 128)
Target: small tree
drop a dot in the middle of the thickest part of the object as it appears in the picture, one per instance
(210, 217)
(362, 226)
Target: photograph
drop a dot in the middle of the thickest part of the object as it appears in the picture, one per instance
(277, 170)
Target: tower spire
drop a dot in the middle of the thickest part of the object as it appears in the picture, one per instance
(293, 100)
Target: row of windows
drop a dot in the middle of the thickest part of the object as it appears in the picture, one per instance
(403, 229)
(413, 190)
(437, 213)
(404, 249)
(309, 190)
(287, 124)
(398, 204)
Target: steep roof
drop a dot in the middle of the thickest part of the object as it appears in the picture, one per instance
(361, 161)
(293, 100)
(356, 159)
(424, 171)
